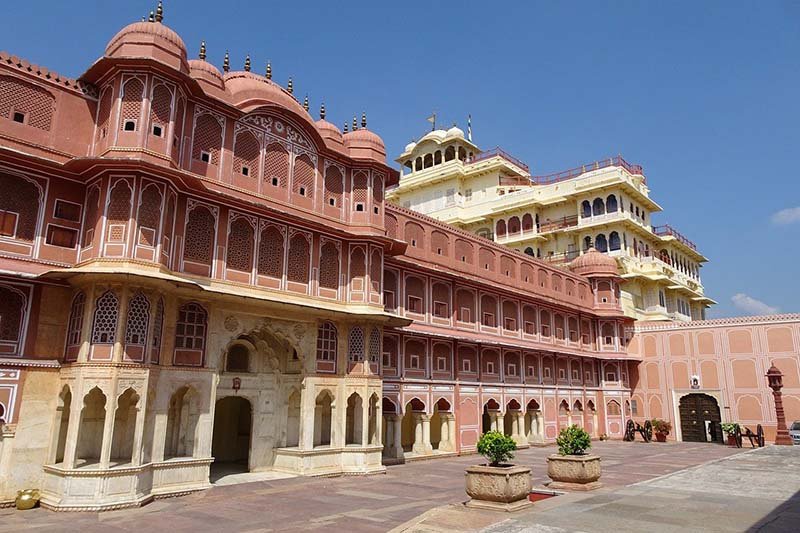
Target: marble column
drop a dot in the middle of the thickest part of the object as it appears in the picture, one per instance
(422, 434)
(519, 429)
(448, 443)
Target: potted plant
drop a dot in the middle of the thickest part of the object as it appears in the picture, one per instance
(572, 468)
(661, 428)
(730, 429)
(498, 485)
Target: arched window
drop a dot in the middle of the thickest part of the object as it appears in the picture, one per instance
(182, 419)
(160, 110)
(90, 218)
(375, 346)
(440, 244)
(19, 208)
(334, 187)
(241, 238)
(327, 342)
(207, 139)
(75, 324)
(246, 153)
(513, 226)
(449, 153)
(598, 207)
(238, 359)
(34, 103)
(376, 270)
(586, 209)
(303, 180)
(613, 241)
(199, 241)
(119, 211)
(12, 313)
(355, 344)
(190, 329)
(500, 228)
(158, 327)
(529, 251)
(148, 217)
(299, 259)
(437, 157)
(131, 109)
(138, 318)
(527, 222)
(611, 204)
(360, 183)
(418, 163)
(415, 235)
(600, 243)
(270, 252)
(329, 266)
(587, 243)
(428, 161)
(276, 165)
(104, 326)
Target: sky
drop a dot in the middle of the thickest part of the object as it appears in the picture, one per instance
(704, 95)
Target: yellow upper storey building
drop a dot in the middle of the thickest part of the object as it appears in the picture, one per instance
(605, 204)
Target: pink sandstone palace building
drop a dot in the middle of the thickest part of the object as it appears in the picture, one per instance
(195, 273)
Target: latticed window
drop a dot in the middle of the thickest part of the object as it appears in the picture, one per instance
(246, 151)
(327, 342)
(190, 330)
(276, 165)
(270, 252)
(104, 113)
(178, 130)
(207, 139)
(160, 110)
(149, 215)
(303, 181)
(199, 245)
(299, 259)
(391, 226)
(240, 245)
(92, 210)
(334, 186)
(377, 194)
(33, 102)
(329, 266)
(375, 270)
(19, 207)
(104, 327)
(360, 191)
(75, 324)
(358, 263)
(119, 210)
(355, 344)
(169, 222)
(158, 328)
(12, 311)
(375, 345)
(131, 110)
(138, 318)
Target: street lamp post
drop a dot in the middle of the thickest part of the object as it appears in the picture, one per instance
(775, 380)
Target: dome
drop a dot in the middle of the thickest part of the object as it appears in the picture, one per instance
(593, 263)
(330, 133)
(364, 144)
(250, 91)
(148, 39)
(410, 146)
(202, 70)
(435, 135)
(455, 133)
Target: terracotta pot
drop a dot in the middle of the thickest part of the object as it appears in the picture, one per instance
(503, 488)
(27, 499)
(731, 440)
(574, 472)
(661, 437)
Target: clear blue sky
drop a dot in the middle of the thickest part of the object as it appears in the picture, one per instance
(705, 95)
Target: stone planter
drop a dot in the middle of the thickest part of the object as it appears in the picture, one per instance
(661, 437)
(574, 472)
(503, 488)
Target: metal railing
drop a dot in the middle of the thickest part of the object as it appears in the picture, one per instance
(667, 230)
(564, 175)
(499, 152)
(560, 223)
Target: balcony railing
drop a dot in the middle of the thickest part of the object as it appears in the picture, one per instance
(564, 175)
(499, 152)
(667, 230)
(561, 223)
(561, 257)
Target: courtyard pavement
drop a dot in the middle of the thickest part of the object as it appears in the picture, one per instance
(400, 497)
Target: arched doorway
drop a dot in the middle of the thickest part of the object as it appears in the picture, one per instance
(700, 418)
(230, 444)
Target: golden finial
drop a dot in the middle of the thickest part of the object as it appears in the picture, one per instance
(363, 120)
(160, 11)
(355, 123)
(345, 130)
(247, 63)
(226, 63)
(152, 17)
(269, 70)
(290, 86)
(322, 111)
(305, 103)
(202, 54)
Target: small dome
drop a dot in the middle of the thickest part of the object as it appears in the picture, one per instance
(251, 90)
(593, 263)
(131, 40)
(200, 69)
(364, 144)
(435, 135)
(455, 133)
(410, 146)
(330, 133)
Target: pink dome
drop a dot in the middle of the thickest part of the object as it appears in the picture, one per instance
(364, 144)
(202, 70)
(593, 263)
(147, 39)
(250, 91)
(330, 133)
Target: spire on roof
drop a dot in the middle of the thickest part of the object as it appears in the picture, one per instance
(363, 120)
(152, 17)
(202, 54)
(322, 111)
(290, 86)
(269, 70)
(160, 11)
(247, 63)
(355, 123)
(226, 63)
(345, 130)
(305, 103)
